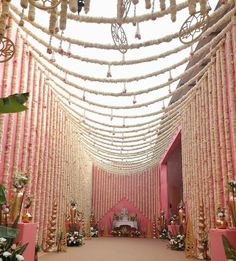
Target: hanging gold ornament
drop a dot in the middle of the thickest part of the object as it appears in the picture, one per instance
(45, 4)
(7, 49)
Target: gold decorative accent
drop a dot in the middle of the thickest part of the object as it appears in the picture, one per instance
(51, 233)
(190, 241)
(193, 28)
(7, 49)
(44, 4)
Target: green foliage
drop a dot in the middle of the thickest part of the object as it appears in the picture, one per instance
(14, 103)
(2, 195)
(230, 252)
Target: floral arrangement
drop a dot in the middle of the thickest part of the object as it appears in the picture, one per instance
(173, 220)
(163, 233)
(94, 230)
(8, 249)
(74, 239)
(230, 252)
(177, 242)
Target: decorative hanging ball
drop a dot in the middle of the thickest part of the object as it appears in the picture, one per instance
(21, 22)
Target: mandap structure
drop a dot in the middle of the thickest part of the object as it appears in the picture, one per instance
(132, 105)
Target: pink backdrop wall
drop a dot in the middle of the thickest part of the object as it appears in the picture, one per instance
(140, 192)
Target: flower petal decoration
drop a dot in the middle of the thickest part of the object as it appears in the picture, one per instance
(13, 103)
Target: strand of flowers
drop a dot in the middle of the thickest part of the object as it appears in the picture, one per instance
(38, 141)
(135, 19)
(20, 117)
(213, 156)
(43, 166)
(30, 163)
(216, 135)
(221, 127)
(219, 12)
(127, 93)
(4, 118)
(4, 16)
(226, 115)
(47, 173)
(9, 84)
(231, 90)
(38, 201)
(11, 136)
(206, 195)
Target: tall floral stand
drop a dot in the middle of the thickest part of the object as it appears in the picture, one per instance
(216, 244)
(27, 234)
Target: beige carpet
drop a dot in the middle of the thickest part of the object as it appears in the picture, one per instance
(118, 249)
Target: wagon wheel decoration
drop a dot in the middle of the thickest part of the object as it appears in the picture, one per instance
(125, 8)
(193, 28)
(45, 4)
(119, 37)
(7, 49)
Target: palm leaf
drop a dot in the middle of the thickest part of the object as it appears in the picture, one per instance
(13, 103)
(22, 249)
(230, 252)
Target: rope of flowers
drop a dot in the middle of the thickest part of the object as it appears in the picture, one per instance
(216, 135)
(45, 213)
(20, 118)
(219, 12)
(4, 120)
(226, 115)
(224, 168)
(42, 140)
(212, 139)
(231, 84)
(204, 147)
(135, 19)
(11, 120)
(30, 162)
(37, 140)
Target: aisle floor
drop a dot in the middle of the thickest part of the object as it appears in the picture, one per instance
(117, 249)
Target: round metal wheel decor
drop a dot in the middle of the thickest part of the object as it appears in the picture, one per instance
(119, 37)
(125, 8)
(45, 4)
(193, 28)
(7, 49)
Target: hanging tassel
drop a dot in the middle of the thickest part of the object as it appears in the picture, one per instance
(21, 22)
(68, 53)
(163, 105)
(123, 122)
(73, 6)
(191, 51)
(109, 71)
(124, 89)
(111, 115)
(170, 76)
(60, 50)
(53, 59)
(134, 23)
(49, 49)
(153, 8)
(53, 21)
(203, 6)
(148, 4)
(86, 6)
(162, 5)
(31, 13)
(113, 132)
(173, 10)
(63, 15)
(169, 89)
(69, 100)
(137, 34)
(84, 97)
(123, 57)
(192, 7)
(134, 99)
